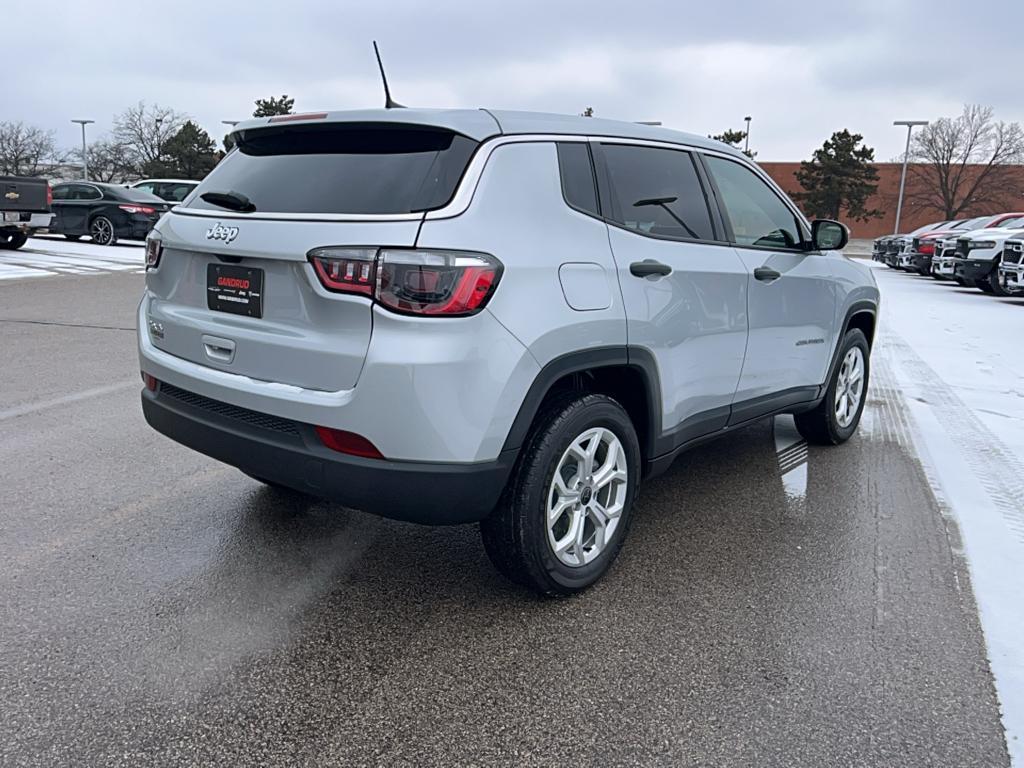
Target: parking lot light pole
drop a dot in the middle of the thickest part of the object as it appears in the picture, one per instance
(85, 159)
(746, 138)
(903, 177)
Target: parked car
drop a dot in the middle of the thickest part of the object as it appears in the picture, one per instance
(944, 259)
(903, 244)
(104, 212)
(1011, 267)
(922, 246)
(24, 207)
(880, 246)
(977, 255)
(171, 190)
(500, 317)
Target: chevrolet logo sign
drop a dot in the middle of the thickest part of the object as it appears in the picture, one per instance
(12, 195)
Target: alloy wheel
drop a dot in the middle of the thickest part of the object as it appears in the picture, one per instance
(849, 387)
(101, 231)
(587, 497)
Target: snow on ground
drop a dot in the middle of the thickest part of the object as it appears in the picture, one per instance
(43, 256)
(959, 361)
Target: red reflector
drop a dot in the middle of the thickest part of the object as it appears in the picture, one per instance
(151, 381)
(348, 442)
(306, 116)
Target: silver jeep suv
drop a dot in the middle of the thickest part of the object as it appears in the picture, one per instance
(511, 318)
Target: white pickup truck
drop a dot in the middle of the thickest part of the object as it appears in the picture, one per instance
(24, 208)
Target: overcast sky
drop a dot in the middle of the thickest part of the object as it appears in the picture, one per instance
(800, 69)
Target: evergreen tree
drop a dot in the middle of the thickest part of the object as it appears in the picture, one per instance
(270, 107)
(189, 154)
(733, 139)
(839, 178)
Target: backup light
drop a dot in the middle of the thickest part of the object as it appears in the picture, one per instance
(154, 250)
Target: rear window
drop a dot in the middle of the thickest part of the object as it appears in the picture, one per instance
(136, 196)
(365, 168)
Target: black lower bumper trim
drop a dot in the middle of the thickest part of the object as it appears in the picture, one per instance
(428, 493)
(972, 272)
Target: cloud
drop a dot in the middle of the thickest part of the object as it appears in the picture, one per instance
(799, 71)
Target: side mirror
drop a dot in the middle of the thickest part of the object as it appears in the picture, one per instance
(828, 235)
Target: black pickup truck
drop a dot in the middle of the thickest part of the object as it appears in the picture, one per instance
(24, 208)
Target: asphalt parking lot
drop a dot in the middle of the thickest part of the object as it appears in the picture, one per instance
(159, 608)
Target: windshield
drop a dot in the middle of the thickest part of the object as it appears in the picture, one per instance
(978, 223)
(341, 168)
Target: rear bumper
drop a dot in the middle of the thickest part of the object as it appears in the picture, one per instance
(136, 228)
(290, 454)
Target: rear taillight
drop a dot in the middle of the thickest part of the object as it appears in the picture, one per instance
(154, 250)
(49, 195)
(411, 281)
(137, 209)
(150, 381)
(348, 442)
(927, 249)
(346, 270)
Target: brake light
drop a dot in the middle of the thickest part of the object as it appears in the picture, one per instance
(49, 194)
(137, 209)
(348, 442)
(927, 249)
(154, 250)
(411, 281)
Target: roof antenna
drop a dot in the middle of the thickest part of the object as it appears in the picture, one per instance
(389, 103)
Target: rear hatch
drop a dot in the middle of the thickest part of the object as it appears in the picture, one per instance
(23, 194)
(235, 290)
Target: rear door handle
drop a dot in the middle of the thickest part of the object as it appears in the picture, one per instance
(766, 274)
(649, 267)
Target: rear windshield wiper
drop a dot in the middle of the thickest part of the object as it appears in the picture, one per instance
(663, 203)
(234, 201)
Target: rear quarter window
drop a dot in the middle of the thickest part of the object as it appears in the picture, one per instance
(355, 169)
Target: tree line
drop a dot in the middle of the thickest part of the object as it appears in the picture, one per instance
(962, 164)
(959, 165)
(146, 141)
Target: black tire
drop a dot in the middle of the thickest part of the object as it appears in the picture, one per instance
(73, 238)
(12, 241)
(821, 425)
(983, 285)
(101, 231)
(516, 535)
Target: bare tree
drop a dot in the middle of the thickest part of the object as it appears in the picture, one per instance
(108, 161)
(966, 163)
(141, 131)
(25, 149)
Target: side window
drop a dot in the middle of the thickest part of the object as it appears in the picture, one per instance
(145, 187)
(577, 173)
(757, 215)
(60, 192)
(91, 193)
(657, 192)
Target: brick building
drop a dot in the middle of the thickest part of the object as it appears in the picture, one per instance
(913, 216)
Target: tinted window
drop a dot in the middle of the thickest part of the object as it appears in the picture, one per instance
(757, 214)
(133, 195)
(175, 193)
(84, 192)
(339, 168)
(60, 192)
(578, 177)
(657, 192)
